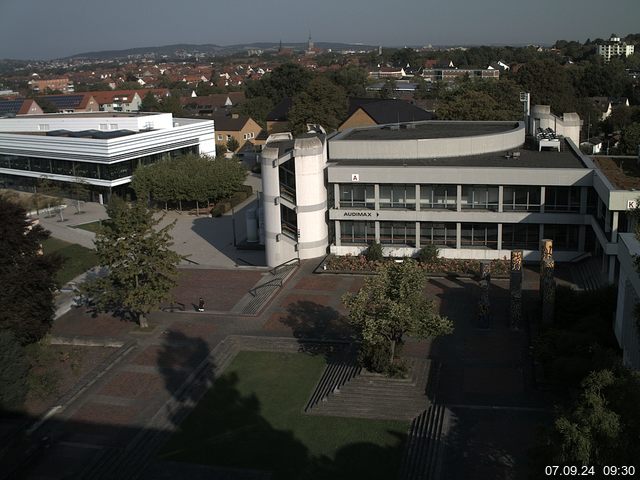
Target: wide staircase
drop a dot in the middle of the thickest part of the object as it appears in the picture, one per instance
(371, 395)
(424, 448)
(587, 274)
(260, 294)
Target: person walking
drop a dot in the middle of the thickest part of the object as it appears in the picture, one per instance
(201, 305)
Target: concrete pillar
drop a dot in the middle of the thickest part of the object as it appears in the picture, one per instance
(377, 228)
(622, 290)
(418, 235)
(336, 196)
(542, 200)
(582, 232)
(612, 269)
(458, 235)
(614, 227)
(376, 197)
(607, 220)
(458, 198)
(271, 206)
(500, 207)
(499, 236)
(338, 240)
(583, 200)
(541, 228)
(417, 198)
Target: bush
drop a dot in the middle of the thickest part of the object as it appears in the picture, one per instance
(218, 210)
(257, 168)
(14, 370)
(428, 254)
(374, 357)
(374, 252)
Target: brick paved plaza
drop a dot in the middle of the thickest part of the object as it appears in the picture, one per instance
(481, 368)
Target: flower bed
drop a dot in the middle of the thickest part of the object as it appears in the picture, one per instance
(359, 263)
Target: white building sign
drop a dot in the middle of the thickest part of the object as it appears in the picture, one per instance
(632, 204)
(355, 177)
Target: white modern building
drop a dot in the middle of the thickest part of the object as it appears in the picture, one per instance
(615, 48)
(475, 190)
(103, 149)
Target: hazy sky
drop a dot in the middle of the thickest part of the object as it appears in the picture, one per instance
(42, 29)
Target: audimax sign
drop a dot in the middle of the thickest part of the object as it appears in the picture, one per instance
(359, 214)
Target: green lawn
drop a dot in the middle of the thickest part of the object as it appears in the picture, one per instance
(252, 418)
(77, 259)
(91, 227)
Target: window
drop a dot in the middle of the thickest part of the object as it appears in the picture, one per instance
(439, 234)
(521, 199)
(562, 199)
(522, 236)
(565, 237)
(479, 197)
(113, 126)
(357, 233)
(219, 137)
(103, 126)
(398, 196)
(441, 197)
(289, 222)
(479, 235)
(398, 233)
(357, 196)
(228, 137)
(287, 173)
(43, 127)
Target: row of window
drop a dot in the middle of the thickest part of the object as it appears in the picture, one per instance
(472, 235)
(444, 197)
(92, 170)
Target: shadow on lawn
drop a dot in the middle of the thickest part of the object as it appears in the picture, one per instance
(236, 435)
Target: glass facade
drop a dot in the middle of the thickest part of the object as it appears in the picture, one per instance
(357, 233)
(398, 196)
(398, 233)
(521, 236)
(479, 197)
(521, 199)
(479, 235)
(439, 234)
(565, 237)
(287, 172)
(90, 170)
(441, 197)
(289, 221)
(357, 196)
(562, 199)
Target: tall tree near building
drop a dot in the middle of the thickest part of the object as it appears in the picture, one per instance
(142, 268)
(27, 277)
(322, 102)
(630, 141)
(391, 305)
(549, 84)
(14, 368)
(149, 103)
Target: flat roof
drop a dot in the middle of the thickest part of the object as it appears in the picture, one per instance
(622, 172)
(528, 158)
(427, 130)
(86, 115)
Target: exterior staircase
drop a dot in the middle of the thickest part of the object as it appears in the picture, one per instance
(375, 396)
(587, 275)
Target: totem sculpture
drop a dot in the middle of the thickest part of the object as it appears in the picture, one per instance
(547, 280)
(515, 290)
(484, 310)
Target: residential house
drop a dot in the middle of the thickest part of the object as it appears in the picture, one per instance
(210, 104)
(119, 100)
(19, 106)
(614, 48)
(73, 103)
(63, 85)
(244, 129)
(388, 72)
(278, 117)
(365, 112)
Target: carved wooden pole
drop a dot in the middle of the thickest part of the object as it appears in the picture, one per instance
(515, 290)
(547, 280)
(484, 307)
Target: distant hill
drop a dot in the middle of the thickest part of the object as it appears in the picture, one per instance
(177, 50)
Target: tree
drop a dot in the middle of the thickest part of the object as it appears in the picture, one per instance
(14, 368)
(287, 80)
(481, 100)
(141, 265)
(149, 103)
(257, 108)
(388, 90)
(549, 84)
(46, 105)
(232, 144)
(79, 191)
(352, 79)
(27, 277)
(391, 305)
(630, 141)
(171, 104)
(322, 102)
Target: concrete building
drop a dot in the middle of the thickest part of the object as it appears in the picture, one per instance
(476, 190)
(614, 48)
(101, 149)
(64, 85)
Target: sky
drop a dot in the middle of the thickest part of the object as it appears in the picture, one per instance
(38, 29)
